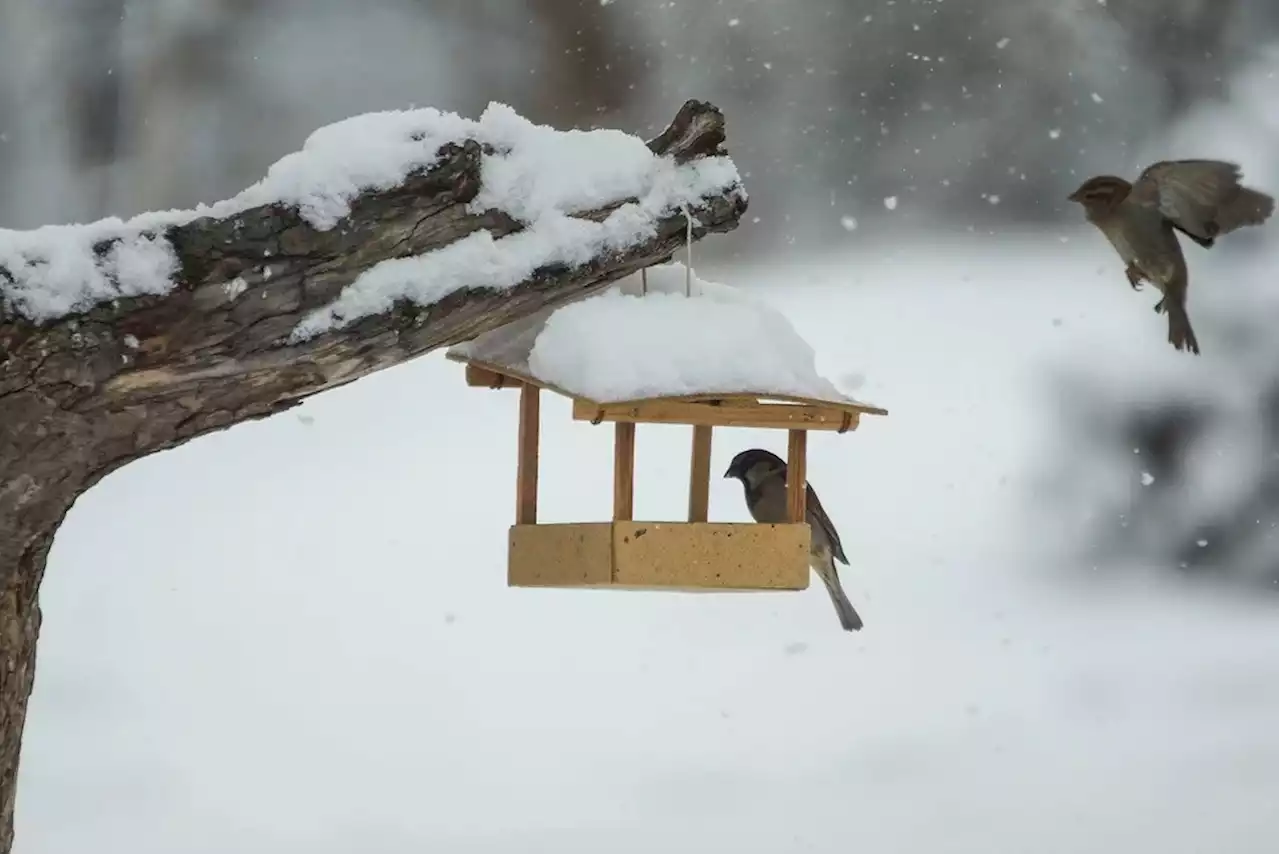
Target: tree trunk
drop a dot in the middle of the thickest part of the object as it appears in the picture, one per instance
(83, 395)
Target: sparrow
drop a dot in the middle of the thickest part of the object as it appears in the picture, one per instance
(764, 482)
(1202, 199)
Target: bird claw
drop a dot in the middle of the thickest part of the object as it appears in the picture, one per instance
(1159, 307)
(1135, 277)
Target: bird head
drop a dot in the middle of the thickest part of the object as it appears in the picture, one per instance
(752, 465)
(1101, 192)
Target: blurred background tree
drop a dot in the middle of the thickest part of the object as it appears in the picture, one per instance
(945, 104)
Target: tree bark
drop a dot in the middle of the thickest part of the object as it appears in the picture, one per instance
(84, 395)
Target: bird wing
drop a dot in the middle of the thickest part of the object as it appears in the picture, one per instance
(814, 506)
(1201, 198)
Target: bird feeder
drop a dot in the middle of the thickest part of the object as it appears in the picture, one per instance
(626, 553)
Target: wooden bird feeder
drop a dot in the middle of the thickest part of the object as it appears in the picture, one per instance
(696, 555)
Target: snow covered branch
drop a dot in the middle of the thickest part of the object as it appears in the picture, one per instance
(331, 280)
(387, 236)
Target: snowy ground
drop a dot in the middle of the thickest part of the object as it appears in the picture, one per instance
(295, 635)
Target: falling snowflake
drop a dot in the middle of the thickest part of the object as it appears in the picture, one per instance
(853, 380)
(848, 223)
(891, 202)
(1148, 478)
(1003, 43)
(1097, 99)
(1054, 133)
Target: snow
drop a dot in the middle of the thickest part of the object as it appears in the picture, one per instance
(218, 647)
(347, 618)
(629, 344)
(536, 174)
(59, 269)
(236, 287)
(541, 177)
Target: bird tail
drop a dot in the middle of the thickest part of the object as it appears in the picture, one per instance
(1249, 207)
(1181, 335)
(826, 569)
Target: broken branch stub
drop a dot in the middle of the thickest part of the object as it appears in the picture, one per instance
(83, 393)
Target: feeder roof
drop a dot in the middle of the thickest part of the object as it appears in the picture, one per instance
(625, 345)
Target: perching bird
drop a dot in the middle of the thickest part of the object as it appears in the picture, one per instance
(1202, 199)
(764, 481)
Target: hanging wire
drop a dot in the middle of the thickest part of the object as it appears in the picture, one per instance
(688, 245)
(688, 266)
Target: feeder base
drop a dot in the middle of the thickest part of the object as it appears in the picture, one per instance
(695, 557)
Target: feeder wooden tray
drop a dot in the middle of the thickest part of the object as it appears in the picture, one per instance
(691, 556)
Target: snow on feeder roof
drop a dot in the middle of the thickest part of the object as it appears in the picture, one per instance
(643, 341)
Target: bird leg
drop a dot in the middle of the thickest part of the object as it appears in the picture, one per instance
(1135, 277)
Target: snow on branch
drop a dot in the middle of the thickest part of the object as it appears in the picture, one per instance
(538, 176)
(406, 230)
(543, 179)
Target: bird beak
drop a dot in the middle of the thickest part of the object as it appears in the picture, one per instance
(729, 472)
(1074, 197)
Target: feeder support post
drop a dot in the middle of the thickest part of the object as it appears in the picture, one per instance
(796, 474)
(700, 473)
(624, 470)
(527, 459)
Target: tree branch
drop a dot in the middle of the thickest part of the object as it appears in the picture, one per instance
(217, 349)
(84, 394)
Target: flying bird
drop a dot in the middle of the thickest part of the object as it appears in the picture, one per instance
(1202, 199)
(764, 482)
